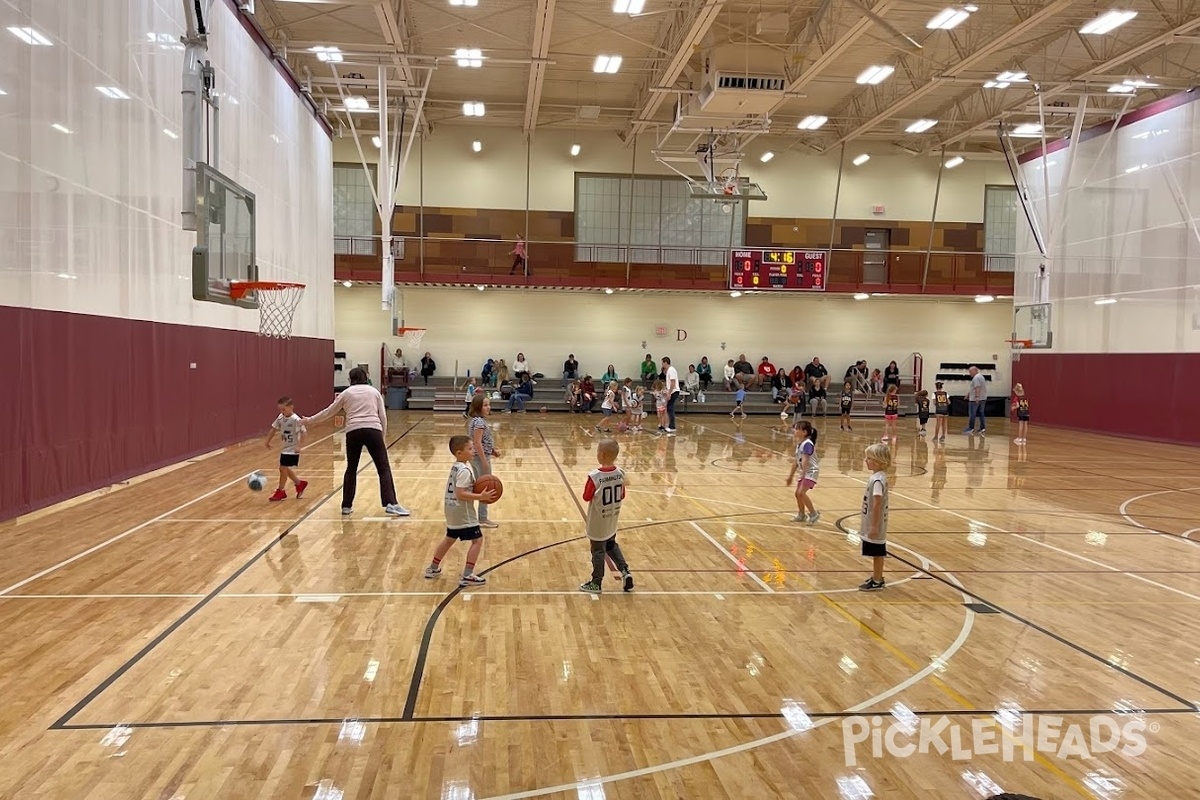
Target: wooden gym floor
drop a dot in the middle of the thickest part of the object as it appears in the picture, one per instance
(181, 637)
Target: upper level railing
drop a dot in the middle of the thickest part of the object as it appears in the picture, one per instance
(490, 261)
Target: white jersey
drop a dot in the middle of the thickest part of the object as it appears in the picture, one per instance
(604, 491)
(876, 485)
(289, 429)
(609, 398)
(460, 513)
(814, 465)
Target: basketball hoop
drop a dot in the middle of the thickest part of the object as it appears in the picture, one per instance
(277, 302)
(411, 338)
(1017, 345)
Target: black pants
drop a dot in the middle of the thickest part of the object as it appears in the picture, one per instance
(608, 547)
(705, 380)
(671, 410)
(371, 439)
(518, 261)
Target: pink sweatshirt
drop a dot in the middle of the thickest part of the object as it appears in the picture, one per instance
(363, 405)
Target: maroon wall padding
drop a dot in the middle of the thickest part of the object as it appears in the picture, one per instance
(95, 400)
(1086, 391)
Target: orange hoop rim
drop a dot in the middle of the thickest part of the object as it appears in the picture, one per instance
(1022, 342)
(237, 289)
(402, 331)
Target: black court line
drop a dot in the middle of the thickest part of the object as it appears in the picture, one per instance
(414, 686)
(616, 717)
(1188, 704)
(62, 721)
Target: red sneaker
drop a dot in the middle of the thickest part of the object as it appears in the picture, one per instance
(280, 494)
(300, 487)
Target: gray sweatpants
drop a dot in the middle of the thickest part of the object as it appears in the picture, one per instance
(608, 547)
(477, 465)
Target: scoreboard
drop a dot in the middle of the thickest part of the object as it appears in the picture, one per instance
(774, 270)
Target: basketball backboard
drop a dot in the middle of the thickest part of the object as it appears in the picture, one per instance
(1032, 322)
(224, 250)
(743, 190)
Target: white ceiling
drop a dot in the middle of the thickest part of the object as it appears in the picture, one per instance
(538, 57)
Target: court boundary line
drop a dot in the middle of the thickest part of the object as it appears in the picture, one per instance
(1185, 536)
(95, 548)
(91, 696)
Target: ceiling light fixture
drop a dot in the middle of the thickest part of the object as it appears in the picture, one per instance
(874, 75)
(3, 93)
(575, 149)
(353, 103)
(1105, 301)
(861, 159)
(473, 109)
(29, 36)
(996, 84)
(954, 162)
(1121, 88)
(60, 127)
(1138, 83)
(921, 125)
(607, 64)
(112, 92)
(375, 140)
(476, 145)
(1027, 129)
(767, 156)
(327, 54)
(811, 123)
(171, 133)
(467, 3)
(469, 57)
(1105, 23)
(1013, 77)
(630, 7)
(947, 19)
(862, 296)
(984, 298)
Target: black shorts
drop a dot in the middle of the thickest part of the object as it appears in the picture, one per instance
(923, 418)
(846, 409)
(465, 534)
(943, 412)
(1023, 417)
(289, 459)
(874, 549)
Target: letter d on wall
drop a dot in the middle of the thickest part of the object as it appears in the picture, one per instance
(680, 334)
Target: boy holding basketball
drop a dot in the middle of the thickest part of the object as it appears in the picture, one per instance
(604, 491)
(291, 432)
(872, 526)
(462, 523)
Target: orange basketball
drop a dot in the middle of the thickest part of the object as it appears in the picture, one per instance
(486, 482)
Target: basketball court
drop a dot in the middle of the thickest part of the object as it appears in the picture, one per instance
(192, 640)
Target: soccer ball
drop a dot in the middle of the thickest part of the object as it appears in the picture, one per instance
(257, 481)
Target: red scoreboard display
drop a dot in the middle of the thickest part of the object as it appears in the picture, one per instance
(775, 270)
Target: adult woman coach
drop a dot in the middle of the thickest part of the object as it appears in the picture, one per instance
(366, 423)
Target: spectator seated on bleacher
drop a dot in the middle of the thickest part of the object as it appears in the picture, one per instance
(797, 374)
(587, 393)
(781, 386)
(876, 382)
(488, 374)
(891, 376)
(573, 398)
(745, 373)
(428, 366)
(649, 370)
(766, 372)
(729, 374)
(818, 396)
(815, 371)
(522, 395)
(691, 381)
(609, 375)
(570, 369)
(704, 369)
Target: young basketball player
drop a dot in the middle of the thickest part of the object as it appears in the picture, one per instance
(891, 412)
(291, 433)
(603, 492)
(639, 407)
(872, 526)
(1020, 405)
(660, 404)
(609, 405)
(739, 397)
(805, 437)
(847, 405)
(627, 402)
(461, 521)
(922, 411)
(941, 408)
(484, 446)
(469, 397)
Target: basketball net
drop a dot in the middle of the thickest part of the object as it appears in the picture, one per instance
(411, 338)
(277, 304)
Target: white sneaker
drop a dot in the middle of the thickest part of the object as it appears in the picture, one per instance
(471, 580)
(396, 510)
(487, 523)
(347, 512)
(800, 518)
(814, 518)
(432, 572)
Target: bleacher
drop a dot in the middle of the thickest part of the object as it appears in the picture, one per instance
(443, 395)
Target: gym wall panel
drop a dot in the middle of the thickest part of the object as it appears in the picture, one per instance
(443, 171)
(470, 326)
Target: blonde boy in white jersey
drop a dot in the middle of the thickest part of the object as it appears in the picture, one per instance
(291, 432)
(872, 526)
(462, 522)
(604, 491)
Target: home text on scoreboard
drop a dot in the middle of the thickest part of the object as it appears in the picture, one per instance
(778, 270)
